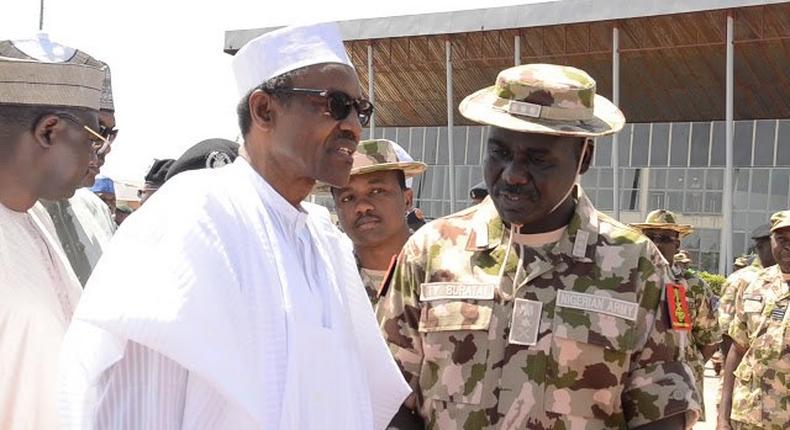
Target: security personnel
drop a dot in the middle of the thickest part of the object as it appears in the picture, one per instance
(533, 309)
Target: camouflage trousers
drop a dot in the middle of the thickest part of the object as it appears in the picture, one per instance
(737, 425)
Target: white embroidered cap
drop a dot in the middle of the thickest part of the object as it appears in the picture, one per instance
(285, 49)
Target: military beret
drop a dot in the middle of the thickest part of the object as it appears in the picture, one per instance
(158, 172)
(207, 154)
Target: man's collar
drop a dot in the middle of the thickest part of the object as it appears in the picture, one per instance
(578, 241)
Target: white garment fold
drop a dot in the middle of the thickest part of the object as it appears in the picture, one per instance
(229, 308)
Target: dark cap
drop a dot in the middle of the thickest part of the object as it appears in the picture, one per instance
(158, 172)
(479, 191)
(761, 232)
(208, 154)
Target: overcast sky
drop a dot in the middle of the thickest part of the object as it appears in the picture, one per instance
(172, 83)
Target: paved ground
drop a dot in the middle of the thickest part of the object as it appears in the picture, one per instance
(712, 383)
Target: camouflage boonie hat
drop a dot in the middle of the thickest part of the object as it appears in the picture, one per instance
(681, 257)
(779, 220)
(377, 155)
(762, 232)
(544, 99)
(662, 219)
(741, 261)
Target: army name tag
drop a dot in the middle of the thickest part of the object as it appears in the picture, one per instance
(456, 290)
(525, 322)
(752, 305)
(596, 303)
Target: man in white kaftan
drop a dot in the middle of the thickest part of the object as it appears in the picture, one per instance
(251, 314)
(45, 151)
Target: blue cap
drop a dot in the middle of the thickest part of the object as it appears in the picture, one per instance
(103, 184)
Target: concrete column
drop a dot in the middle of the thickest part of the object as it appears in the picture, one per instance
(448, 47)
(725, 250)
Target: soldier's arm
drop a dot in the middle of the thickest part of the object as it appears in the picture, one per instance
(727, 310)
(659, 389)
(740, 343)
(706, 331)
(398, 313)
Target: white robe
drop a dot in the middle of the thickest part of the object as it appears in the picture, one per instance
(38, 293)
(243, 313)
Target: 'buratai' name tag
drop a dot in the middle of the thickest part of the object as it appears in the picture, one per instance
(595, 303)
(456, 290)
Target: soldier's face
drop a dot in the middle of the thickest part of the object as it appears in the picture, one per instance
(528, 175)
(372, 208)
(309, 141)
(780, 245)
(667, 241)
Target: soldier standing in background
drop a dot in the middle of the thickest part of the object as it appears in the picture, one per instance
(532, 309)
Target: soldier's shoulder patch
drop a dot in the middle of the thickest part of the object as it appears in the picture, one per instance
(384, 287)
(677, 307)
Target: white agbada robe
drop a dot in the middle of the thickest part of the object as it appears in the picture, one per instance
(244, 313)
(38, 293)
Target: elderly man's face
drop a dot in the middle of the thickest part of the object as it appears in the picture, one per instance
(312, 143)
(763, 248)
(780, 245)
(71, 154)
(372, 207)
(106, 119)
(529, 174)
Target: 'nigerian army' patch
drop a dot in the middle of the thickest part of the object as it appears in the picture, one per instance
(596, 303)
(456, 290)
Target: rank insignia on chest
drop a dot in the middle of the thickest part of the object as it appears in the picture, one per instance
(778, 314)
(677, 307)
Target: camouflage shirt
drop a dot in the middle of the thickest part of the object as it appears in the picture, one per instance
(705, 326)
(602, 357)
(761, 395)
(729, 290)
(372, 279)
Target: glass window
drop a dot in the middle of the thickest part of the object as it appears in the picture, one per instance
(714, 179)
(640, 145)
(629, 200)
(780, 190)
(695, 178)
(719, 143)
(604, 200)
(459, 145)
(429, 154)
(700, 144)
(740, 221)
(693, 202)
(389, 133)
(783, 145)
(712, 202)
(473, 146)
(418, 143)
(758, 197)
(443, 147)
(691, 242)
(628, 178)
(739, 243)
(764, 143)
(402, 137)
(658, 179)
(605, 178)
(741, 185)
(655, 200)
(709, 261)
(365, 134)
(680, 145)
(659, 145)
(603, 151)
(742, 145)
(676, 179)
(624, 143)
(674, 201)
(589, 180)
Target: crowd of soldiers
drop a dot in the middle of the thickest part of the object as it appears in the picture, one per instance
(528, 310)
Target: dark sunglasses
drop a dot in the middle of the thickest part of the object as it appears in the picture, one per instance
(99, 143)
(661, 238)
(338, 103)
(108, 133)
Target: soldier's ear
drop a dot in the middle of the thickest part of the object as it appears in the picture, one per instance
(587, 155)
(408, 195)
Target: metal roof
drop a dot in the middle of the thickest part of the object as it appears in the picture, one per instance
(507, 17)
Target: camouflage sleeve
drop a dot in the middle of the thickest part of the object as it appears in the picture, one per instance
(739, 330)
(727, 303)
(706, 329)
(398, 314)
(659, 383)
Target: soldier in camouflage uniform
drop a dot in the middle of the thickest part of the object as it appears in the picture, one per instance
(740, 279)
(756, 387)
(532, 309)
(662, 228)
(372, 207)
(682, 261)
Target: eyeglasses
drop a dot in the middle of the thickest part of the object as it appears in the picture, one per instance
(99, 143)
(108, 133)
(660, 238)
(338, 103)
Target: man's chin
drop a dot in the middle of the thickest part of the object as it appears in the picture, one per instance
(90, 179)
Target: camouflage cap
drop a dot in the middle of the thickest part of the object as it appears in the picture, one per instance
(662, 219)
(779, 220)
(761, 232)
(544, 99)
(377, 155)
(681, 257)
(741, 261)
